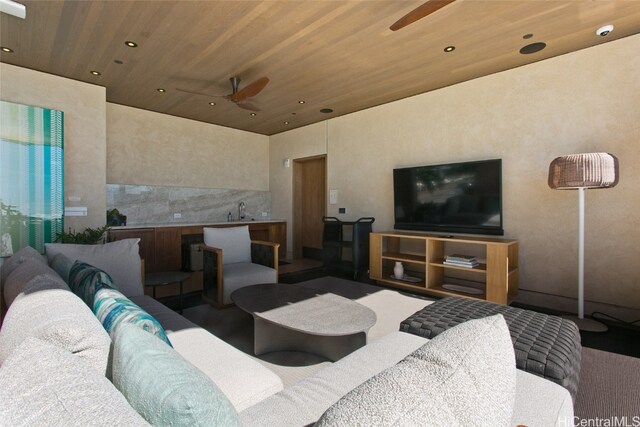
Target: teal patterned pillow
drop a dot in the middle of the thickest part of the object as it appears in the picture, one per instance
(112, 309)
(85, 280)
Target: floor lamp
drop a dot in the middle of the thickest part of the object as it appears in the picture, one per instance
(579, 172)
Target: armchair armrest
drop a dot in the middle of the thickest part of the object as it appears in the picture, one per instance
(265, 253)
(211, 274)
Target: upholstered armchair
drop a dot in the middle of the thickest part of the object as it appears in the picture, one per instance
(231, 260)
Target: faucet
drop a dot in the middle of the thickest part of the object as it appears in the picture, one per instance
(241, 207)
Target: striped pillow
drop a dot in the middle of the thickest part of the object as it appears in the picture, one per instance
(85, 280)
(112, 309)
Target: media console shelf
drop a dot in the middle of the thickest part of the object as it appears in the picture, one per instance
(422, 256)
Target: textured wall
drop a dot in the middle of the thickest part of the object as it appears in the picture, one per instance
(84, 134)
(581, 102)
(147, 148)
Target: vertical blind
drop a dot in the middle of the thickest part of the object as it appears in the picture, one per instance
(31, 176)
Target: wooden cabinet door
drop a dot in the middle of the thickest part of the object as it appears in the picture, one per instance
(169, 249)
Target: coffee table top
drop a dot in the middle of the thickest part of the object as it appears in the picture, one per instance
(304, 309)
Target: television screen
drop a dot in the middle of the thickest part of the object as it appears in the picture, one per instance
(451, 198)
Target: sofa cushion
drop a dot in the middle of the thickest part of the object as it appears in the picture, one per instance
(235, 243)
(162, 386)
(85, 280)
(540, 402)
(304, 402)
(42, 384)
(59, 317)
(113, 309)
(465, 376)
(238, 275)
(20, 281)
(18, 258)
(243, 379)
(120, 259)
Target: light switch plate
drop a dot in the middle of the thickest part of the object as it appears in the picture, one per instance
(333, 197)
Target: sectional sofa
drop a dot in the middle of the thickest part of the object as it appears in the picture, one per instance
(59, 366)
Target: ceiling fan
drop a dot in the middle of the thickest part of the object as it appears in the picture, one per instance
(238, 97)
(419, 12)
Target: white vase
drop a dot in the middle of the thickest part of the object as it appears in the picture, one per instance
(398, 270)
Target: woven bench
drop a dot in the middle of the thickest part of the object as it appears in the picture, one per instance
(546, 346)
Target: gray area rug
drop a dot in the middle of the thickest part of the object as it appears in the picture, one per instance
(609, 390)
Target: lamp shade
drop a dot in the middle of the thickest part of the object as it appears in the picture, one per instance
(587, 170)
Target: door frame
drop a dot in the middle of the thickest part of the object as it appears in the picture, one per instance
(298, 187)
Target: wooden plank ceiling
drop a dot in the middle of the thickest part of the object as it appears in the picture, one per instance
(330, 54)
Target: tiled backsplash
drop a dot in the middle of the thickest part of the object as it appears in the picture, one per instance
(152, 205)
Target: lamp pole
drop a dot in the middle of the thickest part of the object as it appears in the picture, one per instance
(581, 253)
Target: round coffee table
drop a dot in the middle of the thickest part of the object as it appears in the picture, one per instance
(295, 318)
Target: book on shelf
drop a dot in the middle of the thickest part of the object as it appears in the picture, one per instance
(471, 264)
(460, 257)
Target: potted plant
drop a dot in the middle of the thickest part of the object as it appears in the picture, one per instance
(90, 236)
(114, 218)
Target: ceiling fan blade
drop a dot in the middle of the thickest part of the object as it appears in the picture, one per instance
(250, 90)
(419, 12)
(247, 106)
(198, 93)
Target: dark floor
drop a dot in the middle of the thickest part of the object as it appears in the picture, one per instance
(620, 338)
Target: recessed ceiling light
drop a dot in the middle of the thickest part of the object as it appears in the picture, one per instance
(326, 110)
(301, 102)
(286, 123)
(604, 30)
(6, 49)
(527, 36)
(533, 48)
(253, 114)
(117, 61)
(161, 90)
(449, 48)
(212, 104)
(131, 44)
(95, 73)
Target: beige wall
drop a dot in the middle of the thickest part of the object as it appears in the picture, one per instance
(148, 148)
(85, 142)
(582, 102)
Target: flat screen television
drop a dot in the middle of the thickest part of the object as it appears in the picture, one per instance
(450, 198)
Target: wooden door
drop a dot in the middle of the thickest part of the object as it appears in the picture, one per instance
(309, 204)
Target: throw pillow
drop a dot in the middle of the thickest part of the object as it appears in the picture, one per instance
(18, 258)
(113, 309)
(235, 243)
(119, 259)
(20, 281)
(59, 317)
(464, 376)
(42, 384)
(62, 265)
(85, 280)
(163, 387)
